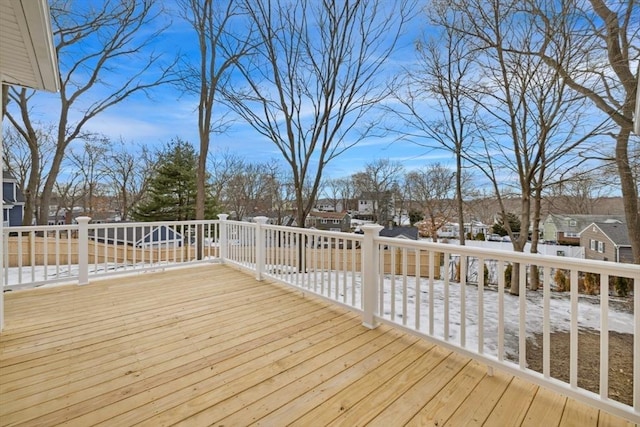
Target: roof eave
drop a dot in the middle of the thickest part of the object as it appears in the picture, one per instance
(34, 22)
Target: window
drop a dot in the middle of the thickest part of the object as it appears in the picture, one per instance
(570, 234)
(572, 223)
(323, 221)
(336, 221)
(601, 247)
(592, 245)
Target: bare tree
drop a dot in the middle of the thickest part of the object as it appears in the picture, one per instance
(602, 41)
(67, 195)
(87, 162)
(222, 40)
(440, 81)
(127, 172)
(223, 165)
(433, 189)
(92, 43)
(282, 192)
(577, 192)
(532, 122)
(28, 163)
(379, 182)
(341, 192)
(247, 191)
(314, 77)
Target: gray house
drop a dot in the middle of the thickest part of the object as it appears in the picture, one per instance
(607, 241)
(329, 221)
(565, 229)
(410, 233)
(12, 201)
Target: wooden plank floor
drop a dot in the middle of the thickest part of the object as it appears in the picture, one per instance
(210, 345)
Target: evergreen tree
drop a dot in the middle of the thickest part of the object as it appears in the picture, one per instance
(172, 188)
(514, 224)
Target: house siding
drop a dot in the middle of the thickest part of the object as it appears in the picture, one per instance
(15, 212)
(625, 255)
(550, 231)
(327, 222)
(593, 233)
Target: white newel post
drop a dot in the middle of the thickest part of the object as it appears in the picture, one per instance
(370, 270)
(260, 245)
(83, 249)
(222, 241)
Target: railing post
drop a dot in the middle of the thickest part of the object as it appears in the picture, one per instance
(370, 269)
(260, 246)
(222, 240)
(83, 249)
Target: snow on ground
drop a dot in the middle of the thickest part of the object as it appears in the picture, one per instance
(560, 310)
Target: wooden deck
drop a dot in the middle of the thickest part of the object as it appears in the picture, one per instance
(212, 346)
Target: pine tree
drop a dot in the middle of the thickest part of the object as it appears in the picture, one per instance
(172, 189)
(514, 222)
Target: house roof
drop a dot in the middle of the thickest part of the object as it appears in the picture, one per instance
(27, 51)
(327, 215)
(374, 195)
(135, 234)
(563, 222)
(401, 232)
(615, 231)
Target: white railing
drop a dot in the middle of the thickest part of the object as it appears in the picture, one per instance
(459, 297)
(456, 296)
(41, 255)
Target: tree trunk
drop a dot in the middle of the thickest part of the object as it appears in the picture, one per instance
(460, 205)
(629, 191)
(534, 279)
(520, 242)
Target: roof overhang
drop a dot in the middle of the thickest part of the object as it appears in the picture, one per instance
(27, 52)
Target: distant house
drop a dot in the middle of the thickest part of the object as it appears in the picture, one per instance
(607, 241)
(329, 221)
(410, 233)
(376, 206)
(565, 229)
(152, 236)
(452, 229)
(328, 205)
(12, 201)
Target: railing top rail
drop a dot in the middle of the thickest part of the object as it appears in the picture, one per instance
(28, 228)
(587, 265)
(627, 270)
(314, 231)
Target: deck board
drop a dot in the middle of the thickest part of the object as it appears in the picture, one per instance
(211, 345)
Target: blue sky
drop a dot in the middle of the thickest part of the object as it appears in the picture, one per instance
(169, 113)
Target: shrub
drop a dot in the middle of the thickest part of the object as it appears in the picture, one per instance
(480, 236)
(622, 285)
(508, 271)
(591, 283)
(563, 284)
